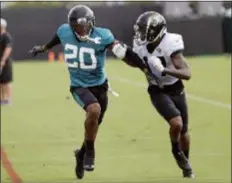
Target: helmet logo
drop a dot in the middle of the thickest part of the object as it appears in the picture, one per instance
(159, 50)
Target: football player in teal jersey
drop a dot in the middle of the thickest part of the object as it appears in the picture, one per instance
(85, 47)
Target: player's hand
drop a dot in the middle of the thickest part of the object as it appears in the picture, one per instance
(156, 63)
(2, 64)
(36, 50)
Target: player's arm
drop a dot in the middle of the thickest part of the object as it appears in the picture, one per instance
(181, 70)
(55, 41)
(6, 55)
(41, 49)
(126, 54)
(175, 51)
(7, 51)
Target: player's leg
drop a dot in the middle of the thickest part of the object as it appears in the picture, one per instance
(100, 92)
(4, 96)
(1, 90)
(6, 80)
(89, 102)
(181, 104)
(185, 143)
(166, 108)
(7, 90)
(91, 129)
(177, 151)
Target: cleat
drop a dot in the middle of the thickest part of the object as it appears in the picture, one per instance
(188, 174)
(79, 170)
(184, 164)
(89, 161)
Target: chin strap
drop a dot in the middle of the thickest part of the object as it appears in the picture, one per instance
(86, 38)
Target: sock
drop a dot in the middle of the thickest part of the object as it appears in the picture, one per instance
(5, 102)
(176, 150)
(82, 150)
(89, 144)
(186, 153)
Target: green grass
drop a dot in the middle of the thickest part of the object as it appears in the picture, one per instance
(43, 127)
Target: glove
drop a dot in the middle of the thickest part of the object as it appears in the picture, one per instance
(36, 50)
(119, 50)
(156, 65)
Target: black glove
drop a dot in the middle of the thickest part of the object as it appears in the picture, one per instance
(36, 50)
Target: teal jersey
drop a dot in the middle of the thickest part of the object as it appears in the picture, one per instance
(85, 61)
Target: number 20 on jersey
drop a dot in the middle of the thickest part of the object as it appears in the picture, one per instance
(79, 56)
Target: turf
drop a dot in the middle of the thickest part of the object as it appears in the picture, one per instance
(44, 125)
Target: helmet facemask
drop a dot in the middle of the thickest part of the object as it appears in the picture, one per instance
(82, 20)
(140, 36)
(156, 33)
(82, 27)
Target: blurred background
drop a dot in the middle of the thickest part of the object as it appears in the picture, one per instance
(206, 26)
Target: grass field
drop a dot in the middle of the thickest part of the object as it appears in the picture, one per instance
(44, 125)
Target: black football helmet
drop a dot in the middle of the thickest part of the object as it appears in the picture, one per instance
(81, 18)
(149, 27)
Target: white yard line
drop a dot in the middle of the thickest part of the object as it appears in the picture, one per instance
(190, 96)
(209, 101)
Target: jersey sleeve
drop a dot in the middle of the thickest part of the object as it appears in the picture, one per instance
(108, 38)
(8, 40)
(60, 30)
(176, 44)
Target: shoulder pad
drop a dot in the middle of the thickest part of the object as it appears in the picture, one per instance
(173, 43)
(105, 34)
(63, 29)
